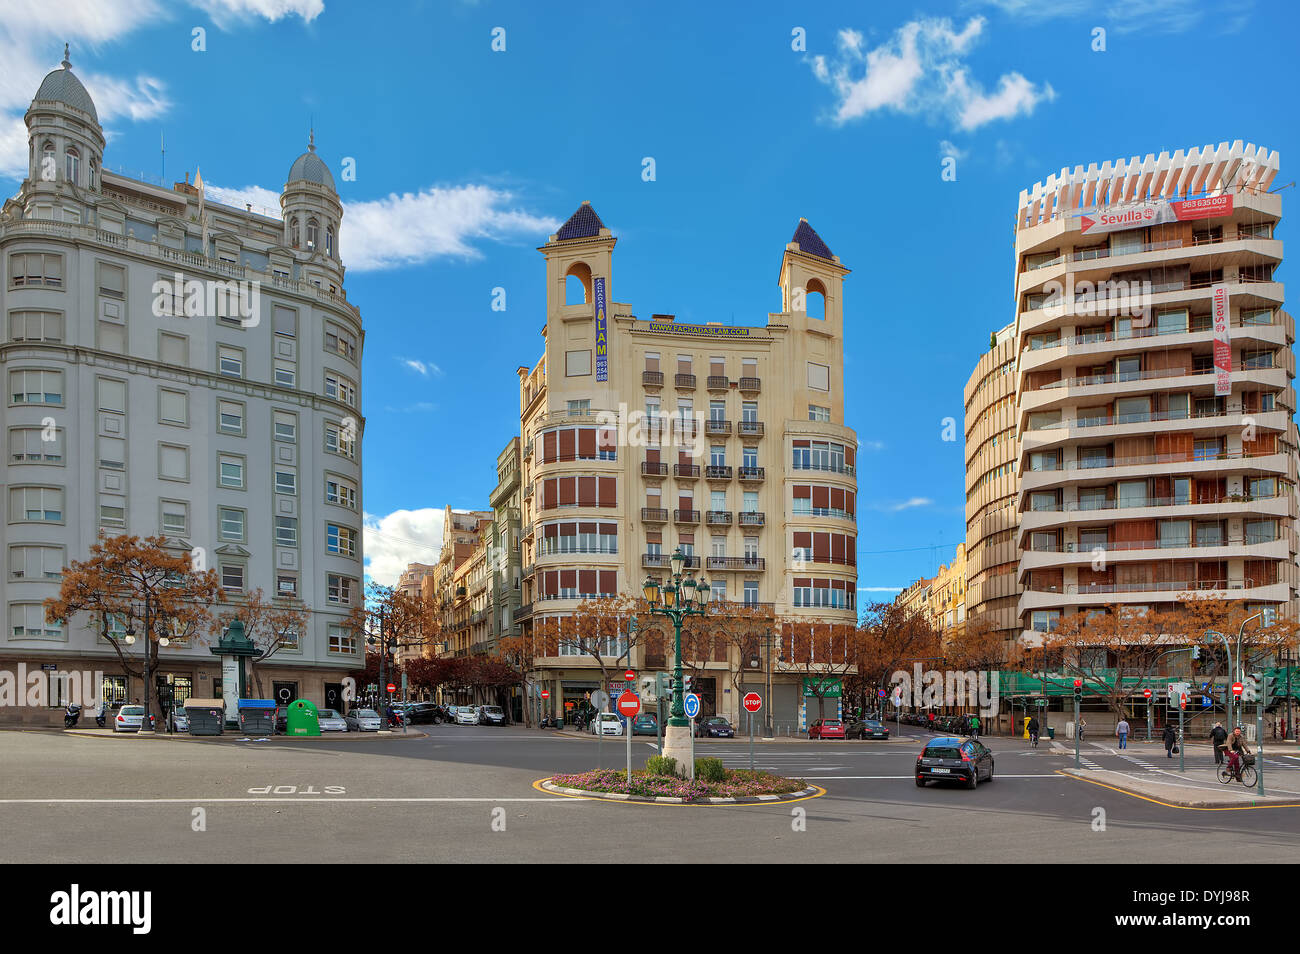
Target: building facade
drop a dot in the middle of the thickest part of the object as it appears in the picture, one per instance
(182, 368)
(640, 436)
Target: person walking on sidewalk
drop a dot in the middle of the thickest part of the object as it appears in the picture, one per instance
(1122, 730)
(1170, 739)
(1218, 735)
(974, 726)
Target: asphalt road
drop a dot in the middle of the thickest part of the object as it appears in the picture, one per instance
(466, 794)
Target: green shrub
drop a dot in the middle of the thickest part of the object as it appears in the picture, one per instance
(661, 765)
(710, 770)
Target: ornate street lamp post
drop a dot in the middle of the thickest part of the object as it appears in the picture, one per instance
(677, 599)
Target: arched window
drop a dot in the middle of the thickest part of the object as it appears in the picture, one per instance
(312, 227)
(72, 165)
(329, 240)
(577, 284)
(815, 299)
(92, 173)
(49, 166)
(293, 232)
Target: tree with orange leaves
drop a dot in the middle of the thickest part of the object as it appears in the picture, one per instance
(597, 629)
(824, 653)
(145, 587)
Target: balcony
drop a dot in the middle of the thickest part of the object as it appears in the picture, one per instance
(717, 518)
(686, 471)
(751, 518)
(522, 613)
(717, 472)
(527, 531)
(654, 515)
(750, 429)
(656, 469)
(752, 475)
(528, 490)
(686, 516)
(750, 385)
(718, 382)
(684, 382)
(528, 570)
(661, 561)
(717, 427)
(652, 379)
(751, 564)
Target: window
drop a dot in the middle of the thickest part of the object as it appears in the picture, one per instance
(286, 374)
(35, 326)
(329, 240)
(751, 501)
(35, 505)
(1251, 360)
(751, 593)
(30, 386)
(72, 165)
(284, 321)
(340, 388)
(819, 376)
(173, 462)
(173, 407)
(1046, 621)
(36, 445)
(749, 457)
(175, 517)
(341, 492)
(582, 407)
(718, 588)
(173, 349)
(285, 426)
(112, 515)
(232, 577)
(230, 361)
(313, 227)
(286, 531)
(230, 524)
(341, 540)
(340, 440)
(341, 640)
(717, 410)
(816, 413)
(230, 470)
(749, 412)
(341, 342)
(27, 621)
(718, 455)
(577, 363)
(230, 417)
(111, 452)
(286, 585)
(35, 563)
(286, 481)
(35, 269)
(338, 589)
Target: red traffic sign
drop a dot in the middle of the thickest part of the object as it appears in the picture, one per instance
(1182, 701)
(1146, 693)
(391, 687)
(1237, 689)
(628, 704)
(752, 702)
(546, 693)
(629, 675)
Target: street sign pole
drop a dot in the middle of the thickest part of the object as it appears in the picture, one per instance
(1148, 717)
(751, 741)
(1076, 731)
(628, 732)
(1259, 734)
(1182, 749)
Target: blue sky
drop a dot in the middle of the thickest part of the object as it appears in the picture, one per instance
(467, 158)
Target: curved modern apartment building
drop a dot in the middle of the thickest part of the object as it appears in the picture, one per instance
(1154, 387)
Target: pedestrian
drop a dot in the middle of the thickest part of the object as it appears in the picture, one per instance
(1122, 731)
(929, 722)
(1218, 735)
(1170, 738)
(975, 727)
(1082, 725)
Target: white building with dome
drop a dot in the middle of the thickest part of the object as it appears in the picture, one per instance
(180, 367)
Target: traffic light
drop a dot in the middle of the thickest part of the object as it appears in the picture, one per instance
(1196, 652)
(1078, 689)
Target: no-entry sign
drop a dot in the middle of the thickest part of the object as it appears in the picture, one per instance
(628, 704)
(629, 675)
(752, 702)
(1146, 693)
(546, 693)
(1237, 689)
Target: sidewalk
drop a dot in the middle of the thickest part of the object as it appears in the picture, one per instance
(1195, 787)
(234, 735)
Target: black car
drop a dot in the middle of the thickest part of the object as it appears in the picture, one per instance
(426, 713)
(949, 758)
(866, 729)
(715, 727)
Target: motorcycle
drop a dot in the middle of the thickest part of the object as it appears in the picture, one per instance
(70, 715)
(101, 718)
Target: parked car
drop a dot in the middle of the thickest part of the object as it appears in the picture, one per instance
(426, 713)
(826, 729)
(331, 721)
(180, 721)
(491, 715)
(606, 723)
(715, 727)
(647, 723)
(363, 720)
(953, 759)
(467, 715)
(129, 718)
(866, 729)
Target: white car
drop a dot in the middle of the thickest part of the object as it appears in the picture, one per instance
(467, 715)
(331, 721)
(606, 723)
(128, 719)
(180, 720)
(363, 720)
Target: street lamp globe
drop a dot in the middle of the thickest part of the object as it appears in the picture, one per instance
(650, 589)
(678, 558)
(705, 593)
(670, 597)
(688, 593)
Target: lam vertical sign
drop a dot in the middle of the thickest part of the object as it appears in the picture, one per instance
(1222, 341)
(602, 330)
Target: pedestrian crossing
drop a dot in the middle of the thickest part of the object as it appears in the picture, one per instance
(1139, 762)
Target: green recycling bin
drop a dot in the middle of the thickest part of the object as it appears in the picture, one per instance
(302, 718)
(1051, 733)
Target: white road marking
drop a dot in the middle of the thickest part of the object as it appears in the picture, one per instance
(269, 799)
(817, 778)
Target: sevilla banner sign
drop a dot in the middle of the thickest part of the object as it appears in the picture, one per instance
(1222, 343)
(1153, 213)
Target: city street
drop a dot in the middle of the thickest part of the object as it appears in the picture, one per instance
(463, 794)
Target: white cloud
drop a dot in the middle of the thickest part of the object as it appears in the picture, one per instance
(909, 504)
(921, 71)
(871, 445)
(223, 11)
(1152, 16)
(266, 201)
(422, 368)
(949, 149)
(399, 538)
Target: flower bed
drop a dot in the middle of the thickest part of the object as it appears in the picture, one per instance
(737, 784)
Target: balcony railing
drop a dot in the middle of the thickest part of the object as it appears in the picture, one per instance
(654, 469)
(750, 428)
(713, 426)
(684, 382)
(750, 385)
(752, 474)
(652, 379)
(718, 472)
(1123, 376)
(1104, 337)
(652, 561)
(751, 518)
(686, 516)
(654, 515)
(686, 471)
(523, 612)
(847, 469)
(1163, 586)
(1123, 546)
(1137, 417)
(1094, 506)
(718, 382)
(735, 563)
(1187, 457)
(718, 518)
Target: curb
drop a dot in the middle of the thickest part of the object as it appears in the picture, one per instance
(1173, 800)
(807, 792)
(236, 736)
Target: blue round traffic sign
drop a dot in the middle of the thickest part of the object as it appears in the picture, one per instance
(692, 705)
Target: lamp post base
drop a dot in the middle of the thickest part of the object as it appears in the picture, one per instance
(677, 745)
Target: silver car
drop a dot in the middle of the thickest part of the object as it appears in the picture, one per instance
(363, 720)
(467, 715)
(128, 719)
(331, 721)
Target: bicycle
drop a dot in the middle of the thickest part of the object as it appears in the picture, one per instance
(1246, 774)
(1033, 740)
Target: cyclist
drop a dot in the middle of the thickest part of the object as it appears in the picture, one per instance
(1032, 727)
(1237, 751)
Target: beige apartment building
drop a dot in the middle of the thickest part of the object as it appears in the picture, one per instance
(642, 435)
(448, 587)
(1157, 452)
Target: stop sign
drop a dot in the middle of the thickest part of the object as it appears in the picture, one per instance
(629, 675)
(1146, 693)
(628, 704)
(1237, 689)
(752, 702)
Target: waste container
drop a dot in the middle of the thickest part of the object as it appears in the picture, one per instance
(207, 716)
(302, 718)
(257, 716)
(1051, 733)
